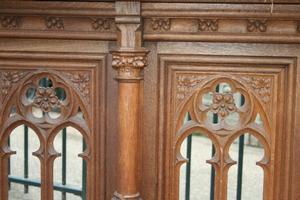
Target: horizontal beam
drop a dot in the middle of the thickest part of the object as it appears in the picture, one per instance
(37, 183)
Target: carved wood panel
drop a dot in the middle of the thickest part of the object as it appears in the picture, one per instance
(81, 78)
(186, 79)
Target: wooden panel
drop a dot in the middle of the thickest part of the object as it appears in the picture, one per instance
(214, 59)
(82, 76)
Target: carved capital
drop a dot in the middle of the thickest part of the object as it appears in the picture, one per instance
(118, 196)
(129, 64)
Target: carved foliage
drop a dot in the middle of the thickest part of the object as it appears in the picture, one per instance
(161, 24)
(81, 82)
(129, 66)
(261, 85)
(256, 25)
(186, 84)
(10, 22)
(101, 24)
(7, 80)
(55, 23)
(208, 25)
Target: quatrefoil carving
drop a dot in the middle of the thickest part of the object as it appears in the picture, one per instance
(46, 99)
(223, 105)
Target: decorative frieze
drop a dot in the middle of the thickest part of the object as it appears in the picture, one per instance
(10, 22)
(102, 24)
(161, 24)
(208, 25)
(256, 25)
(54, 23)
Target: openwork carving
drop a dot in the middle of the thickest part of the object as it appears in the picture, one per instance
(129, 64)
(224, 103)
(10, 22)
(44, 98)
(256, 25)
(7, 80)
(102, 24)
(161, 24)
(187, 83)
(261, 85)
(208, 25)
(55, 23)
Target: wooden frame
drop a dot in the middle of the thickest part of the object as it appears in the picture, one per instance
(137, 158)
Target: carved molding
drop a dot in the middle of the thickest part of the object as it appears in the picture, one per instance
(11, 22)
(208, 25)
(54, 23)
(161, 24)
(256, 25)
(129, 65)
(298, 26)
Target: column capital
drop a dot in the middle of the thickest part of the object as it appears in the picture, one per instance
(129, 63)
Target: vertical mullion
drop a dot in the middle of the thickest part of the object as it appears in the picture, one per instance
(188, 168)
(240, 162)
(64, 161)
(83, 172)
(9, 164)
(26, 157)
(240, 168)
(213, 150)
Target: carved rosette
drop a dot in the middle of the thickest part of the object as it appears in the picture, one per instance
(129, 64)
(102, 24)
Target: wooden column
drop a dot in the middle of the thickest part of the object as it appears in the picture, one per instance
(128, 60)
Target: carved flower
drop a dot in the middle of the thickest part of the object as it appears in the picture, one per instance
(223, 104)
(46, 99)
(161, 24)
